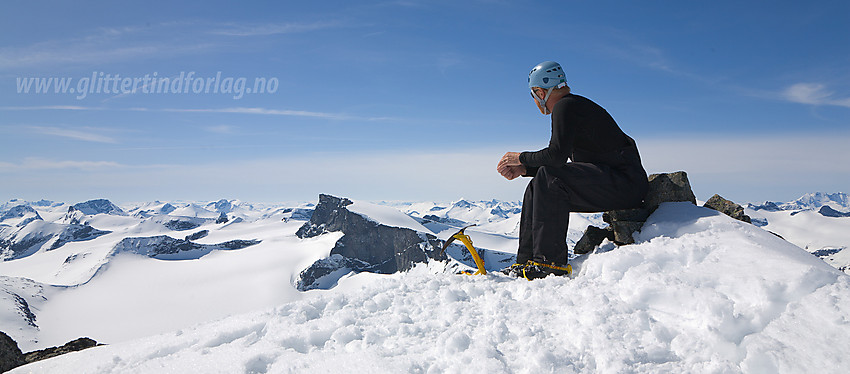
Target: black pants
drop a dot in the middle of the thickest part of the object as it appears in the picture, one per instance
(554, 192)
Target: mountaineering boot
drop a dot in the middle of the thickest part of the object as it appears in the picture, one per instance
(514, 270)
(536, 270)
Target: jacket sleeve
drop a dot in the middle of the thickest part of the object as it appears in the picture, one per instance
(560, 144)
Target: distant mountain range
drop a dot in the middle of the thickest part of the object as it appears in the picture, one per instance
(299, 289)
(835, 202)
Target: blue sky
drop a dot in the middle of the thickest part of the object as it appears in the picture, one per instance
(414, 100)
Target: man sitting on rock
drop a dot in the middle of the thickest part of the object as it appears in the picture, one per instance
(604, 173)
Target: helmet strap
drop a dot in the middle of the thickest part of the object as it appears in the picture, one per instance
(543, 108)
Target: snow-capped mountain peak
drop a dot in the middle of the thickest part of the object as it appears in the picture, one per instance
(98, 206)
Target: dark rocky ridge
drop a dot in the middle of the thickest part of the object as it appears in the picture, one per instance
(366, 245)
(166, 247)
(826, 211)
(12, 357)
(72, 346)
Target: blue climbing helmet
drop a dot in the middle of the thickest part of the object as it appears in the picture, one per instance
(547, 74)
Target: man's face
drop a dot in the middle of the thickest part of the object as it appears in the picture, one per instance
(538, 94)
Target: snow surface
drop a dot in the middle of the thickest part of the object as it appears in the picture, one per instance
(698, 293)
(386, 215)
(807, 229)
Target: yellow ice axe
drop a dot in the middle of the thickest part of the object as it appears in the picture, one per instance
(467, 241)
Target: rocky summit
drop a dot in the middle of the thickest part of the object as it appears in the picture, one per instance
(366, 245)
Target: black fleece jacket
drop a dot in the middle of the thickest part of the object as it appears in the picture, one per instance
(582, 131)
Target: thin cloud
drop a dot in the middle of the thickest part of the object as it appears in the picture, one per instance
(109, 45)
(221, 129)
(87, 134)
(814, 94)
(32, 163)
(277, 112)
(272, 29)
(50, 107)
(236, 110)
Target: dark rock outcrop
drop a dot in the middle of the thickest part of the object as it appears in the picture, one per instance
(366, 245)
(625, 222)
(668, 187)
(10, 355)
(168, 248)
(592, 237)
(826, 211)
(728, 208)
(181, 224)
(622, 224)
(444, 220)
(72, 346)
(198, 235)
(77, 233)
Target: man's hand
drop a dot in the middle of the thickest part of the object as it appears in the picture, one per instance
(510, 159)
(510, 167)
(512, 172)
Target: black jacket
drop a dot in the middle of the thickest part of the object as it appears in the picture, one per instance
(583, 131)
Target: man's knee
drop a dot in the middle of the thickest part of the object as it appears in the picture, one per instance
(544, 172)
(543, 176)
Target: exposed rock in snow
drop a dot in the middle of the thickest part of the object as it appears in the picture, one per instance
(366, 245)
(158, 209)
(72, 346)
(98, 206)
(826, 211)
(167, 248)
(10, 355)
(17, 242)
(198, 235)
(622, 224)
(183, 224)
(727, 207)
(668, 187)
(20, 211)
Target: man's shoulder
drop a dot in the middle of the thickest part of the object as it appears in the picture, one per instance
(573, 101)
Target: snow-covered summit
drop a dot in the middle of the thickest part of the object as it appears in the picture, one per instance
(699, 292)
(19, 212)
(98, 206)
